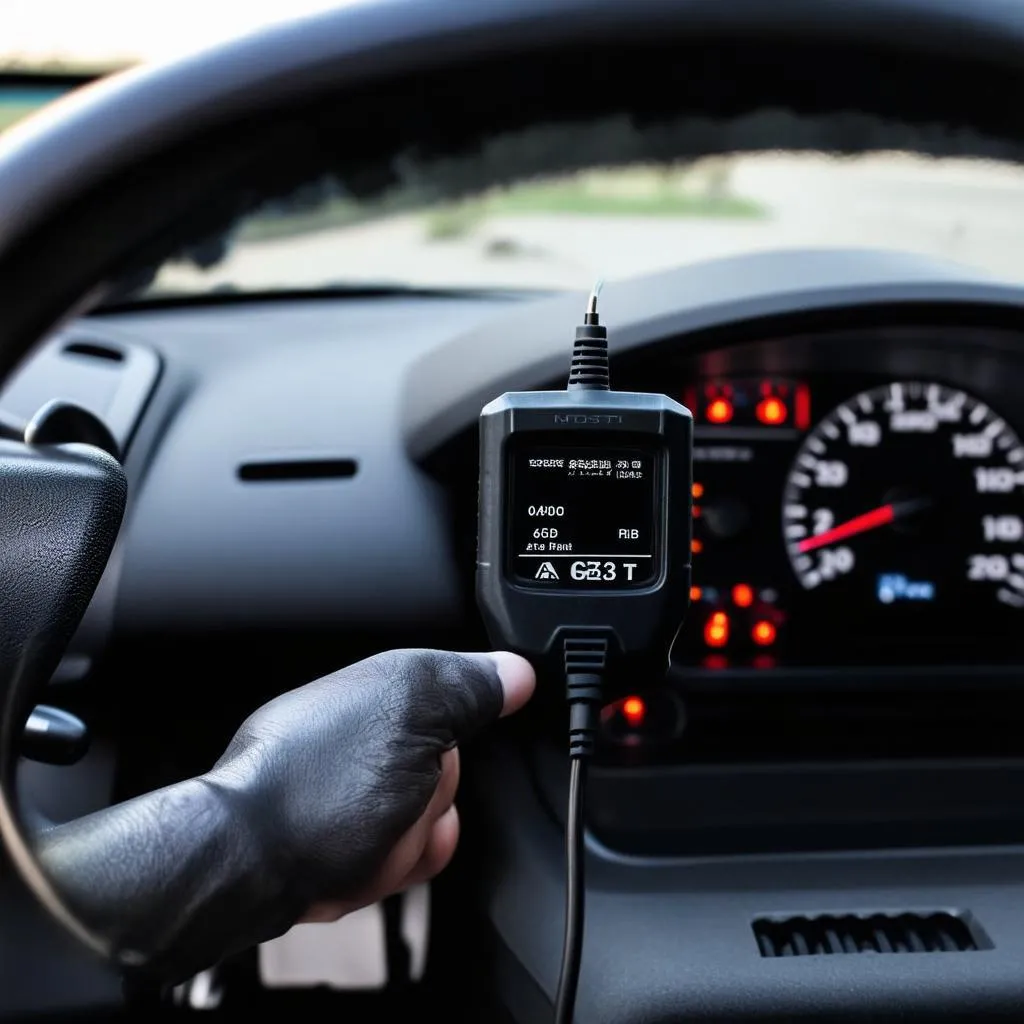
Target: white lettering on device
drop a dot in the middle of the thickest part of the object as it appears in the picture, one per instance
(592, 572)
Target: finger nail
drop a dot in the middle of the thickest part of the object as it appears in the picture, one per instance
(517, 679)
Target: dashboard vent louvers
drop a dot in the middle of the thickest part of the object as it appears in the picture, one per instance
(272, 470)
(829, 934)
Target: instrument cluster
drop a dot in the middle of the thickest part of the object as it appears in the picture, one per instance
(855, 520)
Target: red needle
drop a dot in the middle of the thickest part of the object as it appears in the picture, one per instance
(858, 524)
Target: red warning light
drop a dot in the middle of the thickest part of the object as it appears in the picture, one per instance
(696, 545)
(716, 630)
(764, 633)
(695, 593)
(771, 411)
(634, 710)
(743, 595)
(719, 410)
(802, 408)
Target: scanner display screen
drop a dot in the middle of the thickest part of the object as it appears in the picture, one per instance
(584, 517)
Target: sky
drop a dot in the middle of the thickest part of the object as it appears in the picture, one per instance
(132, 30)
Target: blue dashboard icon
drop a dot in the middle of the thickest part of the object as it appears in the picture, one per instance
(894, 586)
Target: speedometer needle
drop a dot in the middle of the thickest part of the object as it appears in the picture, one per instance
(880, 516)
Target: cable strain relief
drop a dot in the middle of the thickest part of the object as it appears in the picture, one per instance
(589, 370)
(584, 692)
(586, 652)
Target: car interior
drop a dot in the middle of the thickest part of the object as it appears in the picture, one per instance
(817, 813)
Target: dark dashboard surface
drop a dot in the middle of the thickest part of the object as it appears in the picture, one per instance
(848, 678)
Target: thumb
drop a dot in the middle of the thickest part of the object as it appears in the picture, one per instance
(453, 696)
(516, 676)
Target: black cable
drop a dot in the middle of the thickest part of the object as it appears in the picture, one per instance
(572, 943)
(585, 661)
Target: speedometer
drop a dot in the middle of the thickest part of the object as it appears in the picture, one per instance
(910, 496)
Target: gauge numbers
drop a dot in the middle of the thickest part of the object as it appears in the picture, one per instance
(910, 494)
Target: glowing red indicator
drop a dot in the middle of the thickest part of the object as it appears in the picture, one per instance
(743, 595)
(716, 630)
(802, 407)
(634, 710)
(696, 546)
(695, 593)
(719, 411)
(698, 490)
(771, 411)
(763, 633)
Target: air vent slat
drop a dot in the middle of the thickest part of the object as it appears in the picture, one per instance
(831, 934)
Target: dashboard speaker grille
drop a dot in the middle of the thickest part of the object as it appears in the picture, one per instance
(830, 934)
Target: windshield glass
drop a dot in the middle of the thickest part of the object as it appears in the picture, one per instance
(619, 217)
(563, 231)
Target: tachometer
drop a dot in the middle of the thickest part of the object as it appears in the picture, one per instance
(910, 495)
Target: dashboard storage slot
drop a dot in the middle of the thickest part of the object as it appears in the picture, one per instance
(941, 931)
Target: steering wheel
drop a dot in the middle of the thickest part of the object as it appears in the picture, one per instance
(121, 174)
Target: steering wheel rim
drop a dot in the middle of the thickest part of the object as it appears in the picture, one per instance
(62, 169)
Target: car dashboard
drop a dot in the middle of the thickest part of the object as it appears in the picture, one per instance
(837, 731)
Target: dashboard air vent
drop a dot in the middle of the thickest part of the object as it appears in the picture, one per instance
(94, 350)
(827, 934)
(296, 469)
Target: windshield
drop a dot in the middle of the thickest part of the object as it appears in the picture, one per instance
(563, 231)
(620, 217)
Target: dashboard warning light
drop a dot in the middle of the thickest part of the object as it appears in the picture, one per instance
(716, 630)
(802, 412)
(764, 633)
(634, 710)
(719, 411)
(695, 593)
(771, 411)
(743, 595)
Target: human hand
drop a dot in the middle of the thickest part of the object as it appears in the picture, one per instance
(358, 771)
(328, 798)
